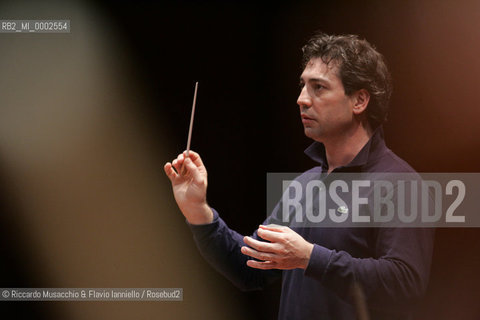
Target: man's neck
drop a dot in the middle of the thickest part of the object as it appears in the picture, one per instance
(342, 150)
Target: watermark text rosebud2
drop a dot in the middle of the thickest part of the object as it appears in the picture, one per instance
(374, 200)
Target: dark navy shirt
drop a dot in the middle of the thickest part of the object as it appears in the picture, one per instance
(390, 264)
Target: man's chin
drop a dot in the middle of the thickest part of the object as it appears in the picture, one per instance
(312, 134)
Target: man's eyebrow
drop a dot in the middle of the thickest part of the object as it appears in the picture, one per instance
(313, 80)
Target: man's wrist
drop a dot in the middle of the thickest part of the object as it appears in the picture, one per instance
(308, 250)
(199, 215)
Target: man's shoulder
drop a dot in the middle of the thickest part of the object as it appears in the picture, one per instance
(388, 161)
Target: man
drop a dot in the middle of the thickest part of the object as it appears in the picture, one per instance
(345, 88)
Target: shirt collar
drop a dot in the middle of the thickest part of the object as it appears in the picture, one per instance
(374, 148)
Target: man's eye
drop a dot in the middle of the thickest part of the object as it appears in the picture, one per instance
(318, 87)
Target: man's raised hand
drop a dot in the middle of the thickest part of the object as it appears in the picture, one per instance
(188, 176)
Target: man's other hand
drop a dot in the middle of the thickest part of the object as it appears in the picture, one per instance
(286, 249)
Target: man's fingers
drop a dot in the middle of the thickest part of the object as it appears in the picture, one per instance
(180, 162)
(195, 157)
(185, 166)
(177, 165)
(171, 174)
(274, 227)
(259, 245)
(273, 236)
(264, 265)
(257, 255)
(193, 170)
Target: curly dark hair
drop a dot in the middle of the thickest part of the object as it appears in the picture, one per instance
(360, 66)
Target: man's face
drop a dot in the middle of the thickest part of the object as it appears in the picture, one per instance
(325, 109)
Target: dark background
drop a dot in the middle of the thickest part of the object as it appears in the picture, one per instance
(246, 57)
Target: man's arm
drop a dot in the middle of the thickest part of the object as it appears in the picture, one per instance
(220, 246)
(393, 273)
(217, 243)
(396, 276)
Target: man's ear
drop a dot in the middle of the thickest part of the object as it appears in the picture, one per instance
(360, 100)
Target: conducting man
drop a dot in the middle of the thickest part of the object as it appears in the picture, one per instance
(345, 90)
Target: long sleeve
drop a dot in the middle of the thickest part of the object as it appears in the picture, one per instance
(396, 275)
(220, 246)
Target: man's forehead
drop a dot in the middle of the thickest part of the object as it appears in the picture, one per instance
(317, 67)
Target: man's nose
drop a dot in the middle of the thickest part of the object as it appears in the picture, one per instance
(304, 100)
